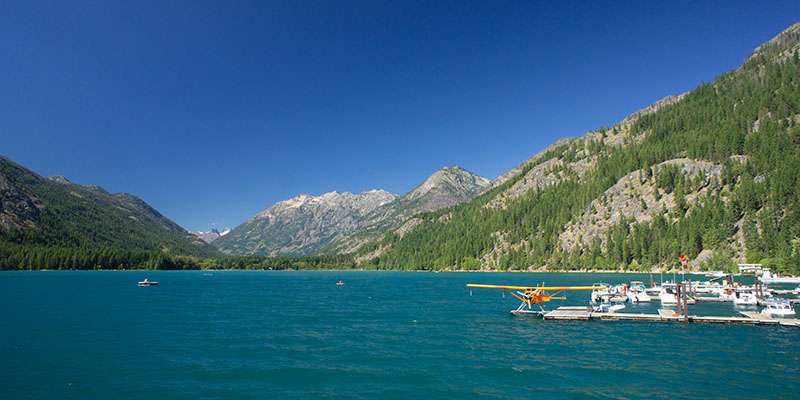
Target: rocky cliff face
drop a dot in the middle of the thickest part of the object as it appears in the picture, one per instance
(637, 199)
(18, 208)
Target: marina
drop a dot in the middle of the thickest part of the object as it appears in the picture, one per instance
(607, 302)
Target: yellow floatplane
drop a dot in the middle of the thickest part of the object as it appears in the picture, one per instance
(534, 295)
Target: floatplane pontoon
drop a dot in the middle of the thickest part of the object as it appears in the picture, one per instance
(530, 295)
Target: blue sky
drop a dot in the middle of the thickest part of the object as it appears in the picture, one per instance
(213, 111)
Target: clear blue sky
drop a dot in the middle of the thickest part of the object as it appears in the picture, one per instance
(213, 111)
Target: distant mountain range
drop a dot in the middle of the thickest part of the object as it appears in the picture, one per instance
(211, 235)
(306, 224)
(55, 212)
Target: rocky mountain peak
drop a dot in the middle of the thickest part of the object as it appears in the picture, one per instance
(211, 235)
(303, 224)
(364, 202)
(451, 178)
(60, 179)
(296, 201)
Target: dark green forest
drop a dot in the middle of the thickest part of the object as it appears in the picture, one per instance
(52, 214)
(16, 257)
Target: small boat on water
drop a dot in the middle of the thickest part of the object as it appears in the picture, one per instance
(744, 297)
(704, 287)
(637, 292)
(653, 290)
(145, 282)
(602, 293)
(779, 309)
(340, 283)
(726, 293)
(669, 294)
(767, 278)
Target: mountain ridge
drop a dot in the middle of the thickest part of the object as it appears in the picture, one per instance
(58, 213)
(446, 187)
(306, 224)
(302, 222)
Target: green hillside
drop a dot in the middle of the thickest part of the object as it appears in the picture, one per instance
(746, 121)
(53, 219)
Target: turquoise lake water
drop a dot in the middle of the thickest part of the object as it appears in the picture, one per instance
(386, 335)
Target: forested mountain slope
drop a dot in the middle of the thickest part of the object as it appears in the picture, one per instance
(54, 213)
(713, 174)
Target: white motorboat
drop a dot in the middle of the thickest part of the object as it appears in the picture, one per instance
(779, 309)
(608, 308)
(609, 294)
(637, 292)
(767, 278)
(619, 294)
(744, 297)
(669, 294)
(653, 290)
(602, 294)
(704, 287)
(726, 293)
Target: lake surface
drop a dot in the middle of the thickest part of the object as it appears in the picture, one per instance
(386, 335)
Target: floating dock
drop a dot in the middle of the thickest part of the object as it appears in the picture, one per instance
(747, 318)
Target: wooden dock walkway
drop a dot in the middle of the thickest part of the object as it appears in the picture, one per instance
(583, 313)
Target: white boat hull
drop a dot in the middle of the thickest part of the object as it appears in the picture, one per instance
(608, 308)
(768, 281)
(778, 314)
(745, 300)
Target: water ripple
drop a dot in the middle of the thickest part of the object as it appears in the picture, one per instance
(383, 335)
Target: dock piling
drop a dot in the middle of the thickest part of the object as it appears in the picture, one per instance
(685, 301)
